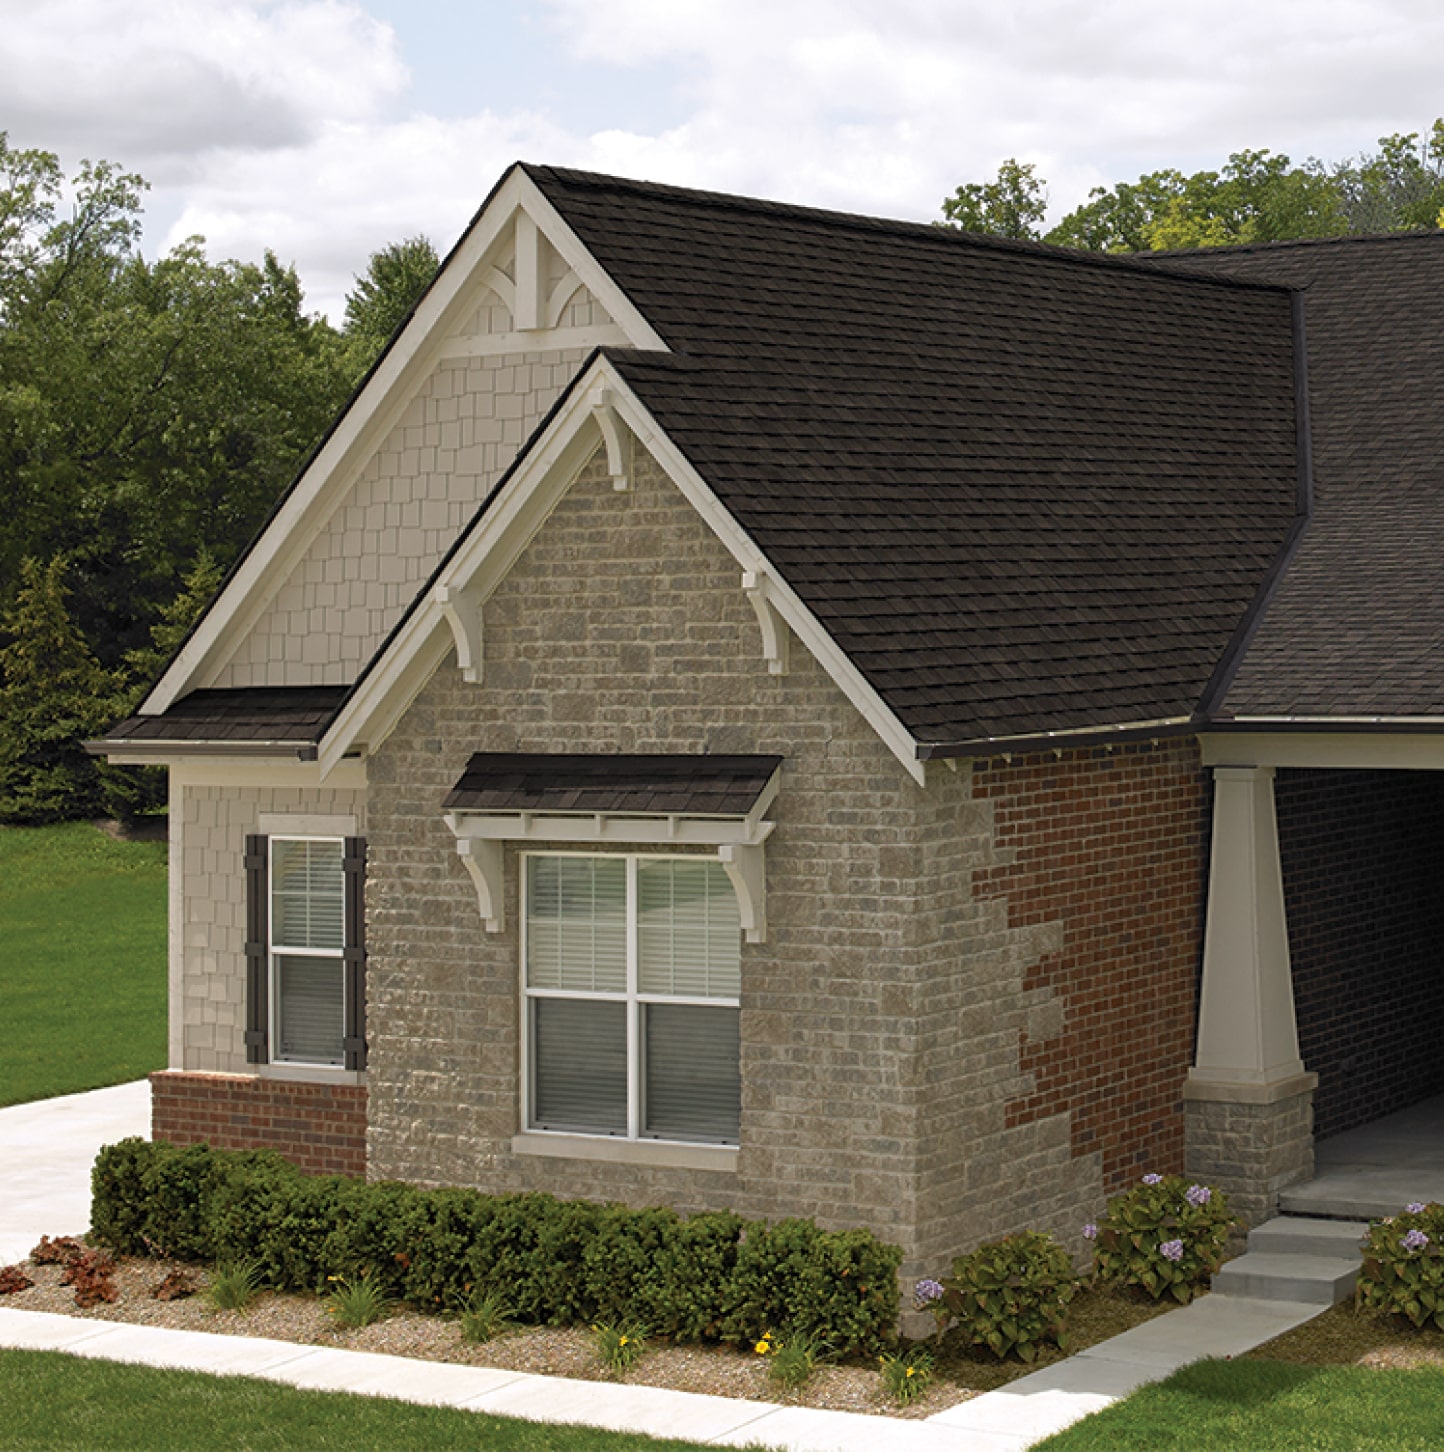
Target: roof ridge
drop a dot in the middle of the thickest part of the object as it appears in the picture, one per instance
(944, 234)
(1413, 234)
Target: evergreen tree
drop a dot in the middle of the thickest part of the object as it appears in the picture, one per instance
(54, 694)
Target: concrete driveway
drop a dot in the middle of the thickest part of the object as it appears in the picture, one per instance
(49, 1148)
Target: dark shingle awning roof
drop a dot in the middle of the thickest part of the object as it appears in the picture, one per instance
(251, 719)
(693, 786)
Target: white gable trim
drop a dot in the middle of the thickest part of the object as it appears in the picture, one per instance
(517, 206)
(496, 540)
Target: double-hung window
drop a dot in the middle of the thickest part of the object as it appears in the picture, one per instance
(632, 973)
(306, 951)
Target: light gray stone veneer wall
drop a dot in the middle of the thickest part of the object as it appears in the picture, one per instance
(880, 1020)
(1251, 1151)
(213, 822)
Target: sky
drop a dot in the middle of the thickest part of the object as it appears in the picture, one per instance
(325, 129)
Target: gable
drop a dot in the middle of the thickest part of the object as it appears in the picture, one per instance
(513, 312)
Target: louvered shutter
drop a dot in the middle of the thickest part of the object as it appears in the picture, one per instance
(257, 968)
(354, 953)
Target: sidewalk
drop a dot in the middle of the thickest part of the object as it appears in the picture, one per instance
(48, 1148)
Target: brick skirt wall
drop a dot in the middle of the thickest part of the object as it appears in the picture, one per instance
(1363, 869)
(319, 1127)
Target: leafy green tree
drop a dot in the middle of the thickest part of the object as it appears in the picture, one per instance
(384, 295)
(1398, 188)
(53, 695)
(1011, 205)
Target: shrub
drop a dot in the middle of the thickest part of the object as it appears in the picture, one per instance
(1010, 1295)
(555, 1262)
(840, 1287)
(1403, 1270)
(1166, 1236)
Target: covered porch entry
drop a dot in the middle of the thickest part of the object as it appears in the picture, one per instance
(1321, 1015)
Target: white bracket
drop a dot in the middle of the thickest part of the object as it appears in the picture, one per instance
(484, 861)
(775, 635)
(531, 290)
(462, 612)
(744, 865)
(561, 294)
(617, 437)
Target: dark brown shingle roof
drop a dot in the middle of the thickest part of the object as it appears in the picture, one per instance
(1025, 490)
(252, 716)
(696, 786)
(1357, 628)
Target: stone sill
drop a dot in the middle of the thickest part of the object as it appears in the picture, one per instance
(662, 1154)
(309, 1074)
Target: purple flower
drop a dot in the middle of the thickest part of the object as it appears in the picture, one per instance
(1198, 1195)
(1414, 1240)
(926, 1292)
(1090, 1231)
(1171, 1250)
(1414, 1207)
(1152, 1179)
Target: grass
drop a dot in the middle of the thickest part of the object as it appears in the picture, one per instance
(1269, 1406)
(83, 921)
(53, 1401)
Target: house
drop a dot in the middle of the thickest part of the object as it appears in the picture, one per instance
(753, 707)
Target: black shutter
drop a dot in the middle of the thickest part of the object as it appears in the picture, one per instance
(354, 953)
(257, 953)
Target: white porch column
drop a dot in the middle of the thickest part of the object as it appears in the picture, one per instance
(1248, 1043)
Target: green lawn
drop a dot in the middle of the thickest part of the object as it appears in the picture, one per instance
(82, 960)
(51, 1400)
(1269, 1406)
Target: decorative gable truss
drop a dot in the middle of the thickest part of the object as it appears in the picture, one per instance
(518, 280)
(449, 615)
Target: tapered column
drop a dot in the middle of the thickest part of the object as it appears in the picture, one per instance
(1248, 1101)
(1246, 1028)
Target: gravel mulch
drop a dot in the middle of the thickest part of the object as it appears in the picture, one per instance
(550, 1351)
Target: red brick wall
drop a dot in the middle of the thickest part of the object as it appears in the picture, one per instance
(320, 1127)
(1363, 867)
(1112, 845)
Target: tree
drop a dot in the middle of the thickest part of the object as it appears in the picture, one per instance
(384, 295)
(1257, 196)
(53, 695)
(1011, 205)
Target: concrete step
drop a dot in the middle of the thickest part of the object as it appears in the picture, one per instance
(1300, 1235)
(1320, 1280)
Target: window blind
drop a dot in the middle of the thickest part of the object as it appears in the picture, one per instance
(692, 1073)
(310, 1008)
(579, 1065)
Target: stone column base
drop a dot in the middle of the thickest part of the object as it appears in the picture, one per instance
(1250, 1140)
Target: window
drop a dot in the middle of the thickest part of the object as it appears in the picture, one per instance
(632, 971)
(305, 946)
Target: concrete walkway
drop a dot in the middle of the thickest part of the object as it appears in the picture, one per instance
(47, 1149)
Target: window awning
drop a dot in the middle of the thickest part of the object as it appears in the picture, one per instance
(678, 801)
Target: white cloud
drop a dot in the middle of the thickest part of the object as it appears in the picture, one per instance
(295, 124)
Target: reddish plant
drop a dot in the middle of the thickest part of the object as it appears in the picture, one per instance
(12, 1278)
(93, 1276)
(63, 1250)
(176, 1286)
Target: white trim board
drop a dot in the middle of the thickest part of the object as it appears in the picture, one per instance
(496, 540)
(1403, 750)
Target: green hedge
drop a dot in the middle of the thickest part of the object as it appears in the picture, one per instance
(556, 1262)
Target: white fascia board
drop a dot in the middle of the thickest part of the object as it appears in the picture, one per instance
(1401, 750)
(514, 517)
(370, 418)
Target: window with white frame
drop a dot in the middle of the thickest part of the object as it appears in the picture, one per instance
(308, 939)
(631, 975)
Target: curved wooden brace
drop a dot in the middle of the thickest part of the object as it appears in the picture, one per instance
(775, 635)
(484, 861)
(617, 437)
(744, 865)
(503, 287)
(462, 612)
(565, 290)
